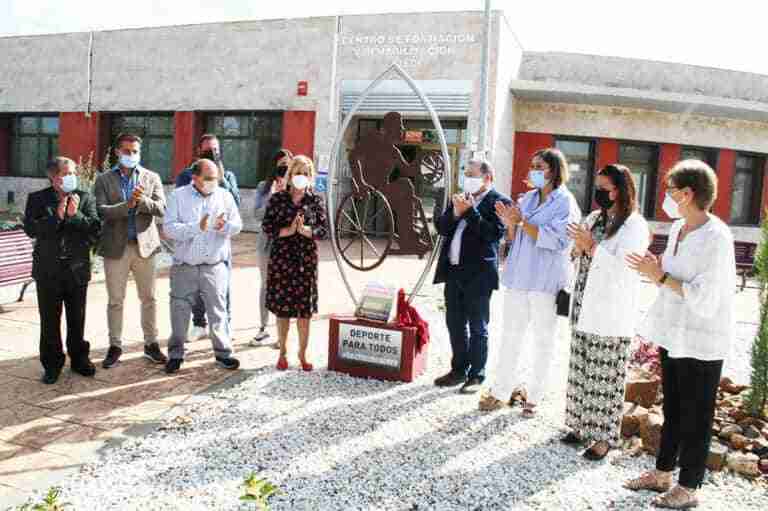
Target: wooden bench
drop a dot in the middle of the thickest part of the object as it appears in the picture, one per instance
(745, 255)
(15, 260)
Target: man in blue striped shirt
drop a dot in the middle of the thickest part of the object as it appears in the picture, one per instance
(201, 218)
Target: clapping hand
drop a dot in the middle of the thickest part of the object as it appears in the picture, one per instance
(581, 237)
(73, 204)
(62, 207)
(510, 215)
(204, 222)
(461, 204)
(646, 265)
(138, 192)
(221, 222)
(302, 229)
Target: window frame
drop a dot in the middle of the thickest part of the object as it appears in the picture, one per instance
(585, 208)
(758, 172)
(266, 150)
(16, 136)
(713, 152)
(648, 210)
(145, 139)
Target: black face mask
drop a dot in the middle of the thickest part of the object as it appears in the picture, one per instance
(603, 199)
(210, 155)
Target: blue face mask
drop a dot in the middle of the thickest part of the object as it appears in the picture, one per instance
(536, 178)
(69, 183)
(130, 161)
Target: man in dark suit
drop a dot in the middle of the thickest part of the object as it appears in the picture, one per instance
(64, 222)
(468, 266)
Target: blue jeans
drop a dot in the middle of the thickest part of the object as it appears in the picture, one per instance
(467, 312)
(198, 307)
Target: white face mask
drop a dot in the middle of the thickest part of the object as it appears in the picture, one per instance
(671, 208)
(300, 182)
(69, 183)
(209, 187)
(473, 185)
(537, 179)
(130, 161)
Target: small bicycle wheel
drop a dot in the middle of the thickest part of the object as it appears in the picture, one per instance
(364, 230)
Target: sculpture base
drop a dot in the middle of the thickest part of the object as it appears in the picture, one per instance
(368, 349)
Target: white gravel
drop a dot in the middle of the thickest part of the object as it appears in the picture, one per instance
(334, 442)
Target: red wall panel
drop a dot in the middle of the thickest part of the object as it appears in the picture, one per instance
(5, 146)
(526, 144)
(607, 153)
(726, 167)
(669, 154)
(81, 135)
(299, 132)
(187, 131)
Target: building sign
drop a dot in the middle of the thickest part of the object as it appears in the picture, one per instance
(408, 50)
(413, 137)
(375, 346)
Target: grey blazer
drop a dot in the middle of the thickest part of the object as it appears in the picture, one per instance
(113, 209)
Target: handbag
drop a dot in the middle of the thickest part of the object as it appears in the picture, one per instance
(563, 303)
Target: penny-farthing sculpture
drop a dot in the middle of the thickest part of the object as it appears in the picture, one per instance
(381, 216)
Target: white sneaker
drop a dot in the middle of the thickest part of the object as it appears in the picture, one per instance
(198, 333)
(258, 339)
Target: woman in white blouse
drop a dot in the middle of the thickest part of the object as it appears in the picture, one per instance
(692, 322)
(604, 313)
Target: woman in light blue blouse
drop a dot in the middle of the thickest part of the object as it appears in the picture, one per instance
(538, 267)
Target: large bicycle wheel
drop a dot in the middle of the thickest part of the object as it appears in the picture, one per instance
(364, 230)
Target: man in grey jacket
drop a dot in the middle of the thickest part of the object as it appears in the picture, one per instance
(129, 198)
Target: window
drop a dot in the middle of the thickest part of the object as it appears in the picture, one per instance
(248, 142)
(747, 190)
(35, 141)
(454, 131)
(580, 156)
(642, 160)
(708, 156)
(156, 132)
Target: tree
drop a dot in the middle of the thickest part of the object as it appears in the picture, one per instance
(757, 399)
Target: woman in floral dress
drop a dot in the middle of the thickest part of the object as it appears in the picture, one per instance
(605, 308)
(294, 219)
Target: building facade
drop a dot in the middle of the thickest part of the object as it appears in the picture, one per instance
(262, 85)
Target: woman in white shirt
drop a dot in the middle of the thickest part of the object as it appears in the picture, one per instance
(604, 313)
(692, 322)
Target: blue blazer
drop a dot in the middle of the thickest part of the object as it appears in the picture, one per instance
(479, 259)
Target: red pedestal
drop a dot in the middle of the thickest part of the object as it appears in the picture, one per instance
(411, 364)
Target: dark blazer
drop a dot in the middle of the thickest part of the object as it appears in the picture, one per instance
(72, 237)
(479, 244)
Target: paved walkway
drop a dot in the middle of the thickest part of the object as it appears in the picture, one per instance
(48, 431)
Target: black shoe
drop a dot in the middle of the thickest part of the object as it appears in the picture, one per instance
(152, 352)
(450, 380)
(173, 365)
(84, 367)
(472, 386)
(228, 363)
(112, 358)
(51, 376)
(592, 454)
(571, 439)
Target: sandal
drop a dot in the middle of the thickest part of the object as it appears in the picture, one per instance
(282, 364)
(518, 396)
(488, 403)
(678, 497)
(529, 411)
(594, 452)
(648, 481)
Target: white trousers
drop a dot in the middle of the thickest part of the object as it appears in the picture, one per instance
(528, 316)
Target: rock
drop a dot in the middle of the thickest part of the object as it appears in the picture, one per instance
(642, 391)
(650, 432)
(728, 430)
(717, 456)
(633, 415)
(724, 382)
(739, 442)
(752, 432)
(737, 414)
(744, 464)
(763, 466)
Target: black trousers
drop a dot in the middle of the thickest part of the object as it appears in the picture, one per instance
(467, 313)
(690, 392)
(67, 289)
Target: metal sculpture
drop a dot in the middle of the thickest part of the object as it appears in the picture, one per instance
(365, 223)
